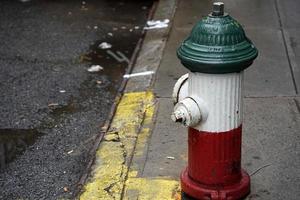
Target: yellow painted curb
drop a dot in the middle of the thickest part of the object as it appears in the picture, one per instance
(114, 153)
(114, 174)
(151, 189)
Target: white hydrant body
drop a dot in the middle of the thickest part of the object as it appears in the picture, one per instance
(221, 96)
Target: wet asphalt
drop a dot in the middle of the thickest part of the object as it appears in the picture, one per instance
(51, 106)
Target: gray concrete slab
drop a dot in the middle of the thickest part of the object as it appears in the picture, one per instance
(270, 74)
(170, 68)
(271, 144)
(248, 13)
(190, 12)
(292, 37)
(254, 13)
(167, 140)
(289, 13)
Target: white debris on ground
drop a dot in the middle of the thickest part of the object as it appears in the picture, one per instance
(66, 189)
(156, 24)
(110, 34)
(138, 74)
(62, 91)
(24, 1)
(104, 45)
(99, 82)
(69, 152)
(53, 104)
(170, 157)
(95, 68)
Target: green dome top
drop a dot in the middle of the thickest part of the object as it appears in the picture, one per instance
(217, 44)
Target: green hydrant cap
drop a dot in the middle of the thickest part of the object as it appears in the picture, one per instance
(217, 44)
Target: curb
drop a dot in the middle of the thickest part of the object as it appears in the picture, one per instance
(123, 139)
(114, 155)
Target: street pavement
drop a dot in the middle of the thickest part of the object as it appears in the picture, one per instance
(143, 152)
(51, 106)
(271, 124)
(154, 149)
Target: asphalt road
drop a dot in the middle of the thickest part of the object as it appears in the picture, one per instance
(51, 106)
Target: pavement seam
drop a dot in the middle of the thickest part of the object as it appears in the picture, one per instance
(297, 105)
(281, 28)
(149, 141)
(134, 149)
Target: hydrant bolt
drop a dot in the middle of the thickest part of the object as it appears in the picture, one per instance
(218, 9)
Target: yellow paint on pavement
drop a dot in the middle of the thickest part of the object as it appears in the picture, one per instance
(114, 153)
(107, 174)
(122, 146)
(151, 189)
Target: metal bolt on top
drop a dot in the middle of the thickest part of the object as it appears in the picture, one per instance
(218, 9)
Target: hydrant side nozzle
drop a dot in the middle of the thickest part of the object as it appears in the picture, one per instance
(187, 112)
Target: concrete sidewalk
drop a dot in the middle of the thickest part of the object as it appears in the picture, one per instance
(271, 116)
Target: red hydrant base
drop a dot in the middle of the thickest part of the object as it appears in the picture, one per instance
(231, 192)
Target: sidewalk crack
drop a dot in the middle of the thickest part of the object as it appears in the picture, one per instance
(297, 105)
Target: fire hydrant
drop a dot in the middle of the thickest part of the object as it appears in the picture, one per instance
(208, 100)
